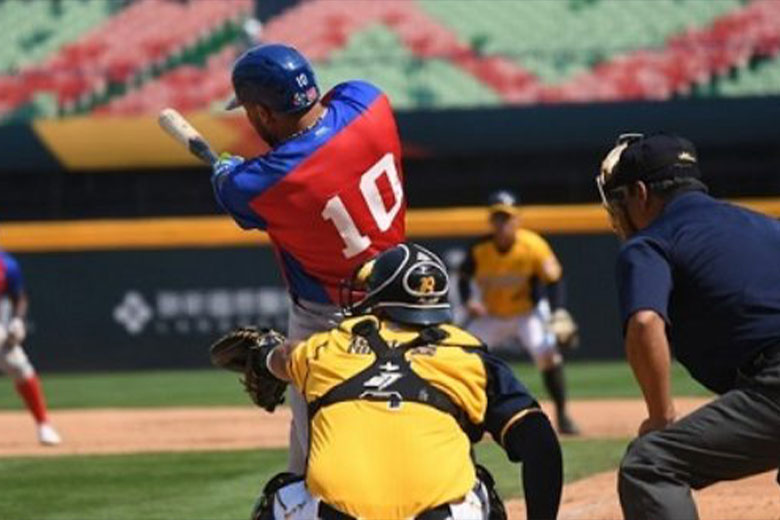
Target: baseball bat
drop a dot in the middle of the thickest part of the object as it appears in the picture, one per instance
(180, 129)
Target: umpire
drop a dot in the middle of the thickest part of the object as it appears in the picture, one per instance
(703, 277)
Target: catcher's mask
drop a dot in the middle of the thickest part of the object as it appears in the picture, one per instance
(661, 161)
(609, 193)
(407, 284)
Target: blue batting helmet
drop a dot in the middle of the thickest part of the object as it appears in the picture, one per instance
(276, 76)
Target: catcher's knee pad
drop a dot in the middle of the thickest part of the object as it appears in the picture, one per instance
(14, 362)
(497, 509)
(264, 506)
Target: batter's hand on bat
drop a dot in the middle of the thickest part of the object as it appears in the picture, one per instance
(226, 163)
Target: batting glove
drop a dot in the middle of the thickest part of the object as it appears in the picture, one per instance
(226, 163)
(16, 330)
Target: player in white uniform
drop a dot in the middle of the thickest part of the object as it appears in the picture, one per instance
(13, 360)
(511, 269)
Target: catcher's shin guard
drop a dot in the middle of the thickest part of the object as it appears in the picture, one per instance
(497, 509)
(264, 506)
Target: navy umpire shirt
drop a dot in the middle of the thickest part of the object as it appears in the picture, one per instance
(712, 271)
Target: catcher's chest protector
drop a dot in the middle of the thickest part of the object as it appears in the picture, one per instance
(391, 378)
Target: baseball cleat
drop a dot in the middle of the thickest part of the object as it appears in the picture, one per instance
(566, 426)
(47, 435)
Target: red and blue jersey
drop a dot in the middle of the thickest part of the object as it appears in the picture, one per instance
(11, 282)
(329, 198)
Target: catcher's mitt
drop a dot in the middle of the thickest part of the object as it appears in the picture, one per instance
(565, 329)
(246, 350)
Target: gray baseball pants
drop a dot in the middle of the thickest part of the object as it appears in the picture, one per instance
(734, 436)
(306, 318)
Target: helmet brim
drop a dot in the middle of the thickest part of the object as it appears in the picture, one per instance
(416, 316)
(233, 104)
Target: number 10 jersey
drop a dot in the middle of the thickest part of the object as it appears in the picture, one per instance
(330, 197)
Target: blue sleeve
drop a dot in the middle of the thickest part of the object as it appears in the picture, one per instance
(644, 278)
(13, 274)
(236, 188)
(355, 93)
(506, 395)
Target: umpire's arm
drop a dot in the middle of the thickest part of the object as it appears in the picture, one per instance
(516, 422)
(645, 283)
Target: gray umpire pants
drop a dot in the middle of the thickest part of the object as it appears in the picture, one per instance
(734, 436)
(306, 318)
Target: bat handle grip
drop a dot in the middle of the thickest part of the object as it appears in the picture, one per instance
(203, 151)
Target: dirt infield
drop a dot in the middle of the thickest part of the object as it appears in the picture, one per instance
(595, 498)
(129, 430)
(206, 429)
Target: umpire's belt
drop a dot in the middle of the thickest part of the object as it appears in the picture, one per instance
(328, 512)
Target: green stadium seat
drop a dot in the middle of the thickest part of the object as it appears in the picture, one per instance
(556, 39)
(761, 80)
(378, 55)
(31, 31)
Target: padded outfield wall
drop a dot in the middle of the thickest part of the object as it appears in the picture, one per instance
(142, 309)
(153, 293)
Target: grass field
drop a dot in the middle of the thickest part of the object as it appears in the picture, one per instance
(199, 485)
(219, 388)
(222, 485)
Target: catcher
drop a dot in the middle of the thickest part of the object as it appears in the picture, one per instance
(513, 268)
(396, 396)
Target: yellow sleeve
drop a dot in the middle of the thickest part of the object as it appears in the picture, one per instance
(298, 362)
(546, 265)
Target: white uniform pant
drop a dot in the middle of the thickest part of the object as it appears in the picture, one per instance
(14, 362)
(306, 318)
(294, 502)
(529, 330)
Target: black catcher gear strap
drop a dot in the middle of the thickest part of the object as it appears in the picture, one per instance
(246, 350)
(391, 379)
(497, 509)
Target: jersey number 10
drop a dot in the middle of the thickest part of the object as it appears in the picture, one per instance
(336, 211)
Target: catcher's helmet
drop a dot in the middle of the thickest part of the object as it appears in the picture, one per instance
(276, 76)
(407, 284)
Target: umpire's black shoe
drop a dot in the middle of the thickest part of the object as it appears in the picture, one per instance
(566, 426)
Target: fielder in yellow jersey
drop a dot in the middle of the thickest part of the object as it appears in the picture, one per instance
(396, 397)
(520, 297)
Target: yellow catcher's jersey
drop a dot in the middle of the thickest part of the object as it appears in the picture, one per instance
(505, 280)
(374, 459)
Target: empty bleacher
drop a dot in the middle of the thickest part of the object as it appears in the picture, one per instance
(109, 57)
(135, 44)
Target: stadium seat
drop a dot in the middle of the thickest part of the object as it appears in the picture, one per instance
(424, 53)
(128, 44)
